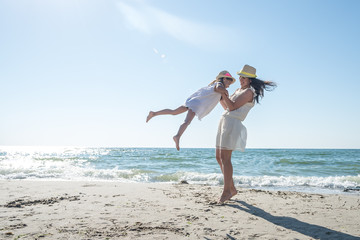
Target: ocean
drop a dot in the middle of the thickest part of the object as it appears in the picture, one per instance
(304, 170)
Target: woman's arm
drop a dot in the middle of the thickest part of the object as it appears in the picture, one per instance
(219, 87)
(245, 97)
(223, 104)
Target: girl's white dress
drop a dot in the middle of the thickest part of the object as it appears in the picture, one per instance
(232, 134)
(203, 100)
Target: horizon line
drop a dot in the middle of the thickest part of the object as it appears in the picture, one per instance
(80, 146)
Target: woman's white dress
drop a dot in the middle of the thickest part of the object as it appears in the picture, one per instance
(203, 101)
(232, 134)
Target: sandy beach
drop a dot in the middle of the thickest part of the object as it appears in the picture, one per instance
(110, 210)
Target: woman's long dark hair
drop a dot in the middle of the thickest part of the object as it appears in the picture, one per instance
(260, 86)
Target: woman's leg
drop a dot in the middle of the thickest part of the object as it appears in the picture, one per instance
(218, 158)
(189, 117)
(227, 167)
(176, 111)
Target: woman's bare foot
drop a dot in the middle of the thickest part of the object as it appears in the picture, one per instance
(224, 197)
(233, 192)
(176, 140)
(150, 116)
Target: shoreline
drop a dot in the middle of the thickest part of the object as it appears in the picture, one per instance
(109, 210)
(352, 191)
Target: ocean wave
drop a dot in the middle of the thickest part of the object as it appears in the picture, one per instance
(253, 170)
(337, 182)
(62, 171)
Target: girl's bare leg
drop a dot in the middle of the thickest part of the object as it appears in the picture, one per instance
(176, 111)
(218, 158)
(189, 117)
(228, 175)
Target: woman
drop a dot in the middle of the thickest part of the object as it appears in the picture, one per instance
(231, 132)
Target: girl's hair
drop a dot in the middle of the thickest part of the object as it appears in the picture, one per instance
(260, 85)
(217, 80)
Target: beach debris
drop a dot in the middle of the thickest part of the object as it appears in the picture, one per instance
(117, 231)
(16, 226)
(184, 182)
(19, 203)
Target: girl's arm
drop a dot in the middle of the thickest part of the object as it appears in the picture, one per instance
(220, 88)
(245, 97)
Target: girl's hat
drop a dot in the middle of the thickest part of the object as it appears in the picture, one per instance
(247, 71)
(225, 74)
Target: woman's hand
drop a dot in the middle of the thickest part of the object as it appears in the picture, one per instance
(242, 99)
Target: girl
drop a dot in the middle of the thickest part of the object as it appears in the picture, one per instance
(200, 103)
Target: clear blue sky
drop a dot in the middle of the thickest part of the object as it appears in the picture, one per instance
(87, 72)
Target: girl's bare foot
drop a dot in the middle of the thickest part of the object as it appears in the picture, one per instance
(150, 116)
(176, 140)
(224, 197)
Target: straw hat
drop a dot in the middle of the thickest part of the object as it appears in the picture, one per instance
(247, 71)
(225, 74)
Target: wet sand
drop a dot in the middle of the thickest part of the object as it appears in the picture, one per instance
(109, 210)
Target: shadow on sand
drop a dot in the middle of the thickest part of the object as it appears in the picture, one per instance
(311, 230)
